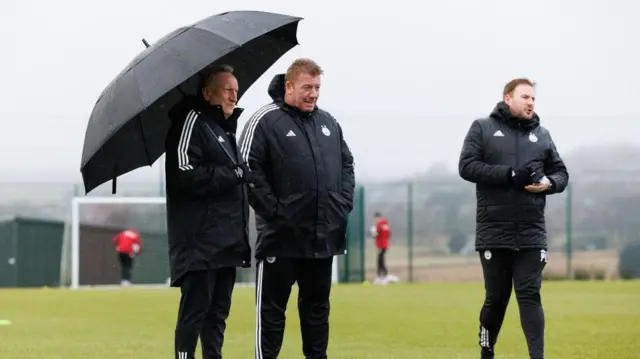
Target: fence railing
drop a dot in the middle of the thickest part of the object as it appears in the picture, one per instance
(433, 224)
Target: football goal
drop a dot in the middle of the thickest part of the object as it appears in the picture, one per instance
(89, 258)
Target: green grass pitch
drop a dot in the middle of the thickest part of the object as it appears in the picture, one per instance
(585, 320)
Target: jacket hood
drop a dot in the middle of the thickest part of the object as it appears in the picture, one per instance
(502, 113)
(276, 88)
(276, 91)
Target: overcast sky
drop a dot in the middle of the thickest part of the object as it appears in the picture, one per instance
(404, 78)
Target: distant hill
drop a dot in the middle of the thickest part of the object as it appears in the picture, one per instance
(610, 163)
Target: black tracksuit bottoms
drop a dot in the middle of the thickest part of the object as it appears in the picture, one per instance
(382, 266)
(204, 309)
(275, 277)
(126, 266)
(503, 270)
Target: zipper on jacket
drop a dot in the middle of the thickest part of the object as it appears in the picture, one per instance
(245, 194)
(517, 239)
(313, 145)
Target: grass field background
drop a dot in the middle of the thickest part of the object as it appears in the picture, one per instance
(585, 320)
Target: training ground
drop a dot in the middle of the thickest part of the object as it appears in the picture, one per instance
(585, 320)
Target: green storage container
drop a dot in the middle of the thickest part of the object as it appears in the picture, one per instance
(30, 252)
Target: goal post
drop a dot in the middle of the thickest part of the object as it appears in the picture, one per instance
(89, 258)
(87, 231)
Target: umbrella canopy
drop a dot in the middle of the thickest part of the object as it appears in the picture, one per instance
(130, 120)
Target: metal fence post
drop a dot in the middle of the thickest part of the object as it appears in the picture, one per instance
(362, 237)
(410, 228)
(569, 230)
(347, 265)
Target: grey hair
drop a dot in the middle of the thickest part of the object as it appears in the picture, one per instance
(211, 75)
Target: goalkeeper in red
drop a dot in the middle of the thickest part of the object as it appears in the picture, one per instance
(128, 244)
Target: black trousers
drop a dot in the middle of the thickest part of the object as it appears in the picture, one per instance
(126, 266)
(204, 309)
(503, 271)
(275, 277)
(382, 266)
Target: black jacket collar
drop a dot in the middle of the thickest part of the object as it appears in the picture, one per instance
(502, 113)
(215, 114)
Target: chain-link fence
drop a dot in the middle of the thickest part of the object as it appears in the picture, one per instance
(432, 222)
(433, 225)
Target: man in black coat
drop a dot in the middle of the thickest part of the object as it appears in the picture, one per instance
(302, 196)
(514, 163)
(207, 212)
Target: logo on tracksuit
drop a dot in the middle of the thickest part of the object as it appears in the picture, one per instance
(487, 254)
(543, 256)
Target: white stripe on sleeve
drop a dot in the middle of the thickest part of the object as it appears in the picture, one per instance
(185, 138)
(245, 146)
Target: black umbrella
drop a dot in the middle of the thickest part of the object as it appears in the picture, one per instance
(130, 120)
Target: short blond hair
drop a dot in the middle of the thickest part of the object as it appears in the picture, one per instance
(303, 66)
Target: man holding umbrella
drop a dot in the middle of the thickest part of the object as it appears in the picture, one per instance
(207, 212)
(135, 120)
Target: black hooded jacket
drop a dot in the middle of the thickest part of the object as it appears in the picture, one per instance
(304, 179)
(507, 217)
(207, 207)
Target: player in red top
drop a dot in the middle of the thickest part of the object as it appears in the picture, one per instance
(128, 244)
(381, 231)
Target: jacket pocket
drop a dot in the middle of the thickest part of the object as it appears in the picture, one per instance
(339, 206)
(289, 208)
(223, 225)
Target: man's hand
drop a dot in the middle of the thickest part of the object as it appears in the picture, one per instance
(537, 187)
(243, 174)
(541, 186)
(520, 177)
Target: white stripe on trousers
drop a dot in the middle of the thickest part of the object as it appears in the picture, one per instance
(259, 309)
(245, 146)
(182, 355)
(484, 338)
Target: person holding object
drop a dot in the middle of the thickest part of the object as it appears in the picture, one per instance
(514, 164)
(128, 244)
(207, 212)
(302, 197)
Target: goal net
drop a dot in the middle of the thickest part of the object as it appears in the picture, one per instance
(89, 258)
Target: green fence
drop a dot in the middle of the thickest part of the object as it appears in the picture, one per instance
(30, 255)
(351, 265)
(433, 225)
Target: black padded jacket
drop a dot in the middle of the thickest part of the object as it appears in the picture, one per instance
(304, 179)
(507, 217)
